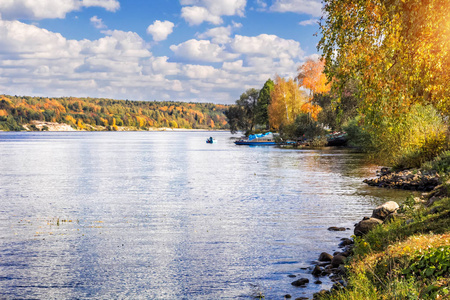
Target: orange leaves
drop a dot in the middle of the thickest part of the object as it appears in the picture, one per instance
(312, 109)
(311, 76)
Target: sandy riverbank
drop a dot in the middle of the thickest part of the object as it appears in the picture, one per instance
(53, 126)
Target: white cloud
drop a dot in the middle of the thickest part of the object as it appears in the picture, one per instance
(309, 22)
(267, 45)
(160, 65)
(68, 67)
(97, 22)
(219, 35)
(109, 5)
(196, 15)
(42, 9)
(160, 30)
(309, 7)
(200, 72)
(196, 12)
(217, 67)
(202, 50)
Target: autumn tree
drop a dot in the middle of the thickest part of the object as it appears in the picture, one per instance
(311, 77)
(399, 51)
(286, 102)
(398, 54)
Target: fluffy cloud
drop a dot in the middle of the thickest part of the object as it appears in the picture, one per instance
(216, 67)
(68, 66)
(196, 12)
(202, 50)
(200, 72)
(267, 45)
(97, 22)
(219, 35)
(42, 9)
(160, 30)
(161, 66)
(196, 15)
(310, 7)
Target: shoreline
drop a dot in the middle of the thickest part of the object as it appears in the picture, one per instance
(370, 235)
(41, 126)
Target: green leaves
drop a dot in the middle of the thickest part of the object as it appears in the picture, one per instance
(434, 263)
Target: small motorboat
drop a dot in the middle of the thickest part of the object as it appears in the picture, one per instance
(266, 139)
(211, 140)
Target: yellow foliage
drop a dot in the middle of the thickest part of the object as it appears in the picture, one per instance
(286, 102)
(104, 121)
(3, 113)
(70, 119)
(312, 109)
(80, 124)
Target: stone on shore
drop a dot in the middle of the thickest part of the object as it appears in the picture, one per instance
(317, 271)
(301, 282)
(345, 242)
(366, 225)
(407, 180)
(325, 257)
(334, 228)
(384, 210)
(338, 260)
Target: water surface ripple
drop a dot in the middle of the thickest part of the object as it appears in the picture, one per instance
(163, 215)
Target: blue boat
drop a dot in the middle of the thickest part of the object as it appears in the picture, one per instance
(265, 139)
(211, 140)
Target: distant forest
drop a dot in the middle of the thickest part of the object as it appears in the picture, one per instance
(108, 114)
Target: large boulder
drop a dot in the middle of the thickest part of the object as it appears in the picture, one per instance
(384, 210)
(366, 225)
(325, 257)
(338, 260)
(301, 282)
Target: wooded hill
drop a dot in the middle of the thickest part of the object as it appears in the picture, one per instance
(108, 114)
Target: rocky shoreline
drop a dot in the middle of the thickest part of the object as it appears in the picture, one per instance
(333, 265)
(407, 180)
(327, 265)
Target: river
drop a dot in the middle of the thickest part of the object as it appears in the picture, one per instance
(163, 215)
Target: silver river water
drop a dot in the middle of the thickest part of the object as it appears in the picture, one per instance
(163, 215)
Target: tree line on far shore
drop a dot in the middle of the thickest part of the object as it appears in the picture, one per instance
(386, 66)
(107, 114)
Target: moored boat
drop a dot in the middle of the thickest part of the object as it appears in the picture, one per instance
(266, 139)
(337, 139)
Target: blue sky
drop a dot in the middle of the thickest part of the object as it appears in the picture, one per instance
(179, 50)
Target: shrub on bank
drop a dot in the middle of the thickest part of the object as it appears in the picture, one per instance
(407, 258)
(440, 164)
(404, 140)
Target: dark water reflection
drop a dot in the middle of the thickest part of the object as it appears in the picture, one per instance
(164, 215)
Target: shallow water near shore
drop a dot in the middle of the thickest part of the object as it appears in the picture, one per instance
(163, 215)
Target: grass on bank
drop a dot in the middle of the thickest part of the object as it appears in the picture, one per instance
(408, 258)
